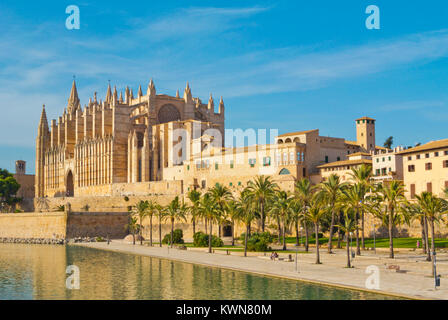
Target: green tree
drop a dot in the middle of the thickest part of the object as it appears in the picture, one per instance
(434, 209)
(348, 226)
(209, 209)
(303, 193)
(194, 196)
(220, 194)
(261, 189)
(393, 198)
(132, 227)
(281, 208)
(141, 210)
(232, 212)
(362, 175)
(247, 214)
(389, 142)
(331, 190)
(8, 189)
(174, 211)
(353, 197)
(315, 213)
(160, 213)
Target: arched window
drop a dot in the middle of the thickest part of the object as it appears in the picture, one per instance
(284, 171)
(168, 113)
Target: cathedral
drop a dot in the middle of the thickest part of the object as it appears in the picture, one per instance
(119, 141)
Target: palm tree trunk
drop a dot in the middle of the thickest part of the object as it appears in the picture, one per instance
(422, 223)
(297, 233)
(339, 232)
(347, 246)
(284, 235)
(233, 233)
(331, 231)
(245, 240)
(141, 232)
(205, 224)
(358, 248)
(362, 231)
(250, 228)
(316, 228)
(428, 252)
(172, 231)
(160, 231)
(194, 225)
(262, 215)
(150, 230)
(279, 230)
(433, 243)
(391, 236)
(306, 237)
(133, 237)
(210, 238)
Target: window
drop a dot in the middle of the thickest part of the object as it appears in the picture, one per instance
(338, 158)
(326, 159)
(239, 183)
(429, 187)
(436, 154)
(377, 172)
(230, 184)
(266, 161)
(384, 159)
(384, 171)
(231, 164)
(428, 166)
(445, 163)
(377, 160)
(411, 168)
(418, 157)
(216, 166)
(203, 184)
(409, 158)
(446, 184)
(426, 155)
(252, 162)
(188, 167)
(390, 158)
(412, 191)
(446, 153)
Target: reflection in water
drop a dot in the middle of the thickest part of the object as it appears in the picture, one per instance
(38, 272)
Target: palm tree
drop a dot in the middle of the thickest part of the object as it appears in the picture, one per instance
(296, 217)
(281, 208)
(416, 213)
(161, 213)
(141, 209)
(261, 189)
(174, 211)
(132, 227)
(209, 210)
(303, 193)
(353, 196)
(393, 198)
(247, 214)
(389, 142)
(331, 190)
(434, 208)
(347, 227)
(232, 212)
(220, 195)
(315, 213)
(362, 175)
(194, 196)
(152, 208)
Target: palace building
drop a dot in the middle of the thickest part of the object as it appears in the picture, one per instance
(156, 145)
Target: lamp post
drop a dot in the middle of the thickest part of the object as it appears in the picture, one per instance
(436, 277)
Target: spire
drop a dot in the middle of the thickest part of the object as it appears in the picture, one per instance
(151, 89)
(108, 94)
(73, 100)
(121, 97)
(221, 106)
(43, 123)
(187, 94)
(177, 94)
(127, 95)
(140, 93)
(211, 103)
(115, 96)
(132, 94)
(94, 97)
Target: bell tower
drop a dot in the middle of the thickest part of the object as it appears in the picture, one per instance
(365, 133)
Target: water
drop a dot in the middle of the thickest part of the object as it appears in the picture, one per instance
(38, 272)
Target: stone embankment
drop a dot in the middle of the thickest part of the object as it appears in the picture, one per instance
(47, 241)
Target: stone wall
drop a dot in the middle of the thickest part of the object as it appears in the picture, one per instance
(60, 225)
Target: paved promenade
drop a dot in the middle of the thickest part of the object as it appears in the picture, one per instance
(414, 280)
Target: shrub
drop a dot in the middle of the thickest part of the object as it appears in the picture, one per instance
(200, 239)
(258, 241)
(126, 198)
(321, 235)
(178, 236)
(100, 239)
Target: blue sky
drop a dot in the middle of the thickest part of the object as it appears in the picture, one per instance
(286, 65)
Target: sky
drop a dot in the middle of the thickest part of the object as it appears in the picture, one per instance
(285, 65)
